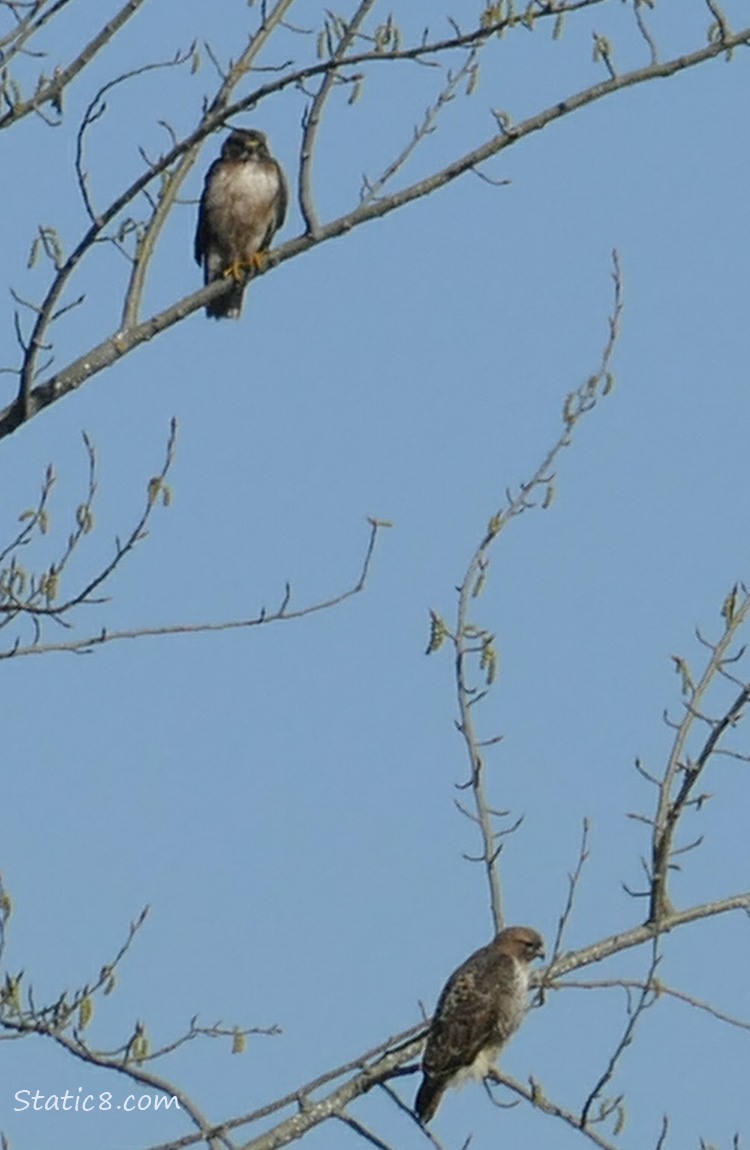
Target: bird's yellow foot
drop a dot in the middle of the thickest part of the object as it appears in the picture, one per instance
(235, 271)
(258, 262)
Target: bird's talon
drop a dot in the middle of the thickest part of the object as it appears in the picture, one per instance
(258, 262)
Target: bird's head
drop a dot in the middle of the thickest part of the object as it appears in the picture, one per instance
(522, 941)
(245, 144)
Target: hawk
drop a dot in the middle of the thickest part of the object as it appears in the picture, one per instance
(243, 204)
(482, 1004)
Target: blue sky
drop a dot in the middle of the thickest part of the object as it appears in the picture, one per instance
(283, 797)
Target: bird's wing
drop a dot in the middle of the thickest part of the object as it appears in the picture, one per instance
(465, 1021)
(201, 230)
(282, 202)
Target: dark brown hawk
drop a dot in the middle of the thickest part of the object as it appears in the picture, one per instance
(483, 1003)
(243, 204)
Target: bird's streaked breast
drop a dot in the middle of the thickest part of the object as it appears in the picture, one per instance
(248, 187)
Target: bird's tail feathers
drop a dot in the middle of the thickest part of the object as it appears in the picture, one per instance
(428, 1098)
(228, 305)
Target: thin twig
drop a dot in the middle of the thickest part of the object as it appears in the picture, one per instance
(646, 998)
(468, 639)
(315, 111)
(283, 613)
(681, 774)
(659, 988)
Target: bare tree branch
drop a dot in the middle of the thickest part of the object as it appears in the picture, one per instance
(646, 998)
(659, 988)
(535, 1094)
(282, 613)
(312, 118)
(573, 882)
(473, 643)
(683, 773)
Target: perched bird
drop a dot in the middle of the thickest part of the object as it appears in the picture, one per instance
(483, 1003)
(243, 204)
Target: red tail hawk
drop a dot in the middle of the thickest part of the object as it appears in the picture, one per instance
(243, 204)
(483, 1003)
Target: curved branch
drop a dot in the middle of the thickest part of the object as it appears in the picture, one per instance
(470, 640)
(673, 799)
(283, 613)
(659, 988)
(312, 118)
(638, 935)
